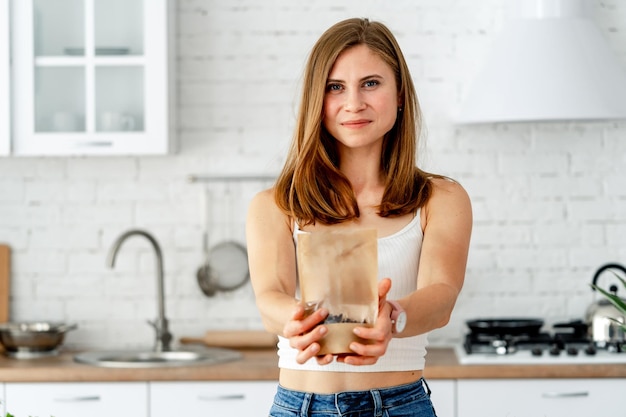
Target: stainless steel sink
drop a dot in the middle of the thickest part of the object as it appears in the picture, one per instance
(161, 355)
(150, 359)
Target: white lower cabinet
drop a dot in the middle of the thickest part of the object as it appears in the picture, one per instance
(540, 397)
(201, 399)
(77, 399)
(443, 396)
(250, 399)
(451, 398)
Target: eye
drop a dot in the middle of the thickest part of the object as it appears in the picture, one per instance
(371, 83)
(334, 87)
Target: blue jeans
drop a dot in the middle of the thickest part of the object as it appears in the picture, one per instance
(410, 400)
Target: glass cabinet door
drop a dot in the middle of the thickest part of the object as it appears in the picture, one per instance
(84, 82)
(118, 27)
(59, 99)
(119, 98)
(59, 31)
(59, 27)
(89, 86)
(118, 30)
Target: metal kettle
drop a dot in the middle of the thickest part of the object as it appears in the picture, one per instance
(601, 329)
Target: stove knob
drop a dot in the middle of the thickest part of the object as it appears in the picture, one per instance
(591, 349)
(536, 351)
(572, 351)
(501, 350)
(555, 350)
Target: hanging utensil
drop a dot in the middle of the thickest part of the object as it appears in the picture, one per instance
(225, 267)
(203, 274)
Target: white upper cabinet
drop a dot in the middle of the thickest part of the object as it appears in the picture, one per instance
(5, 97)
(92, 77)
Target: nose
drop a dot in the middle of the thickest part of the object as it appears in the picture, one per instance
(354, 101)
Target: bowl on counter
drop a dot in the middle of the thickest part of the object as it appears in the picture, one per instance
(33, 339)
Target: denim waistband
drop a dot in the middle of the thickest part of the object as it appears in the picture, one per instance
(373, 399)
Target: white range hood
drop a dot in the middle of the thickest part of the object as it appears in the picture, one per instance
(549, 63)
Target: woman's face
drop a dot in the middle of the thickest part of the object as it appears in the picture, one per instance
(361, 100)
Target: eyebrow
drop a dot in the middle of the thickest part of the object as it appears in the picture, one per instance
(368, 77)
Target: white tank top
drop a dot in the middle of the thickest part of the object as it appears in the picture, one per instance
(398, 259)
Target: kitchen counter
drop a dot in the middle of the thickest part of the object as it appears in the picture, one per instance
(441, 363)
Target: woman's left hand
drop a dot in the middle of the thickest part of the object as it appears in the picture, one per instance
(378, 336)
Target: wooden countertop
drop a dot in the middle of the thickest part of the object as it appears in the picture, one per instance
(441, 363)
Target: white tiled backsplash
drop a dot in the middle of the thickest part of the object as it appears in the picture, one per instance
(549, 199)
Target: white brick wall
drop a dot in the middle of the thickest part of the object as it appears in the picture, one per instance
(549, 199)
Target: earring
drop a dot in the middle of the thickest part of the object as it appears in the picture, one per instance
(399, 109)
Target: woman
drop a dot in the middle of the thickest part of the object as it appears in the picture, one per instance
(352, 165)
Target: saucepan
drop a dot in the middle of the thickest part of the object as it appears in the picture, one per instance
(26, 339)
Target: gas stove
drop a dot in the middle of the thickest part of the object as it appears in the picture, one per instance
(526, 358)
(508, 343)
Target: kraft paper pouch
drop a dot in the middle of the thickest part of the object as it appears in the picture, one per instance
(338, 270)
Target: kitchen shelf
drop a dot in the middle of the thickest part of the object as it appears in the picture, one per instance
(234, 178)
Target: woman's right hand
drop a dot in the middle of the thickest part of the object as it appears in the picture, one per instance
(304, 332)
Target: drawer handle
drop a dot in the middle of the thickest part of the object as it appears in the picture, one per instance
(78, 399)
(94, 144)
(565, 394)
(226, 397)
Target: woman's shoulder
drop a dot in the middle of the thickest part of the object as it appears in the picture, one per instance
(265, 195)
(263, 206)
(264, 201)
(448, 208)
(446, 183)
(447, 192)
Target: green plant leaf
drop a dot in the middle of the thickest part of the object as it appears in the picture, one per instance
(613, 298)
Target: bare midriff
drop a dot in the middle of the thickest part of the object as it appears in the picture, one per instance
(324, 382)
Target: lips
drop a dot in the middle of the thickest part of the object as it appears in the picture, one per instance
(356, 123)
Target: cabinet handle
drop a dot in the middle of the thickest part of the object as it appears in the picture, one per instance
(78, 399)
(94, 144)
(225, 397)
(565, 394)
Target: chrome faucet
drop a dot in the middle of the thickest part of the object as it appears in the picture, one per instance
(163, 336)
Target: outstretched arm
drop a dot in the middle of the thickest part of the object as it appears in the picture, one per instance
(272, 261)
(447, 223)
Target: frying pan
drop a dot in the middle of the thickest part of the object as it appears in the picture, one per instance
(509, 326)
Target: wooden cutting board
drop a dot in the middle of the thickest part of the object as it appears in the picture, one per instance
(5, 268)
(244, 339)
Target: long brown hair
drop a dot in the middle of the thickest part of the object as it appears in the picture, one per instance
(311, 187)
